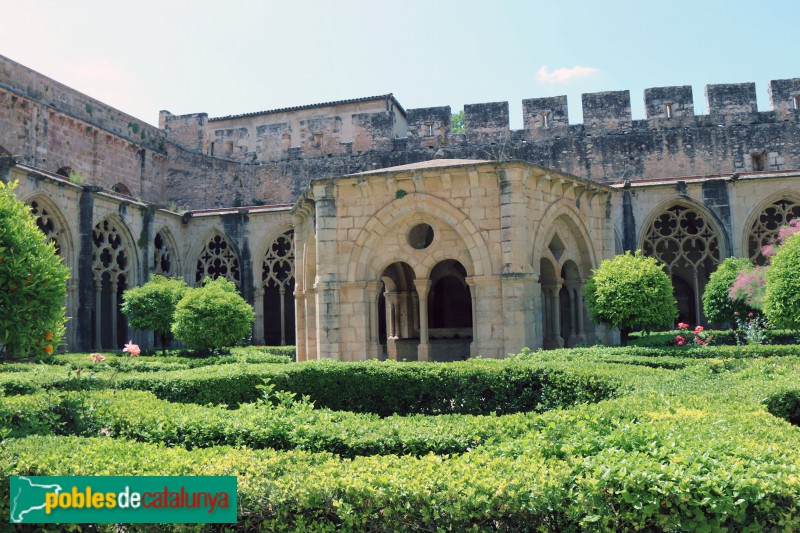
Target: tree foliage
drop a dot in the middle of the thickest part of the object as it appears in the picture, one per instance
(32, 283)
(718, 304)
(457, 123)
(630, 292)
(213, 316)
(152, 306)
(781, 302)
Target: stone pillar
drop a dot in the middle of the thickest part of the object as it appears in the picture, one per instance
(98, 306)
(312, 350)
(517, 310)
(573, 320)
(282, 293)
(423, 287)
(258, 307)
(391, 325)
(300, 325)
(85, 275)
(373, 342)
(556, 299)
(415, 317)
(114, 287)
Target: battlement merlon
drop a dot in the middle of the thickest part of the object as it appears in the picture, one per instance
(188, 131)
(784, 97)
(731, 101)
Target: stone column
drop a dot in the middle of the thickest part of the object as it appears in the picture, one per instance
(373, 342)
(391, 325)
(310, 301)
(556, 300)
(300, 325)
(258, 307)
(98, 309)
(573, 321)
(579, 309)
(423, 351)
(282, 293)
(114, 287)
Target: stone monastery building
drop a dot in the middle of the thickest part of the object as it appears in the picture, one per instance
(359, 229)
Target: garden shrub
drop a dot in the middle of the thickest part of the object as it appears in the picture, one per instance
(32, 283)
(785, 405)
(783, 286)
(213, 316)
(718, 305)
(151, 307)
(629, 292)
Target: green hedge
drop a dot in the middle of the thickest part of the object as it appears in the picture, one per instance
(724, 337)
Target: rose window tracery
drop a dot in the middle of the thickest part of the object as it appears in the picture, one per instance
(765, 228)
(47, 225)
(162, 256)
(108, 255)
(278, 265)
(680, 237)
(217, 260)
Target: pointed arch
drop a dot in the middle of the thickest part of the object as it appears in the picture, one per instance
(51, 221)
(568, 224)
(762, 225)
(114, 269)
(216, 256)
(391, 222)
(166, 260)
(276, 287)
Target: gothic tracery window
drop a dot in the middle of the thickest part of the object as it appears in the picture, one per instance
(217, 260)
(162, 256)
(765, 228)
(277, 280)
(47, 224)
(686, 243)
(111, 267)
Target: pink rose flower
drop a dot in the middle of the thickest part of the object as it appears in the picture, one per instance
(97, 357)
(698, 329)
(683, 325)
(132, 349)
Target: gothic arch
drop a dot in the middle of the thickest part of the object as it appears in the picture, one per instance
(687, 203)
(276, 289)
(402, 213)
(563, 212)
(52, 223)
(690, 243)
(763, 223)
(114, 270)
(166, 259)
(215, 256)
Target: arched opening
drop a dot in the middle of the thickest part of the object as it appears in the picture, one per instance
(163, 250)
(688, 245)
(684, 295)
(450, 312)
(571, 303)
(121, 188)
(217, 259)
(398, 323)
(111, 269)
(764, 230)
(551, 305)
(277, 281)
(48, 225)
(64, 171)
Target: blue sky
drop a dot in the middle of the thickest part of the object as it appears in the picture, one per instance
(242, 56)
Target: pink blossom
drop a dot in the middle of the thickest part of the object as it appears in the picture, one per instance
(736, 313)
(750, 315)
(680, 340)
(97, 357)
(683, 325)
(105, 431)
(698, 329)
(132, 349)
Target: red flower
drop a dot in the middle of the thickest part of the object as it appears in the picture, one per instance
(736, 313)
(750, 315)
(698, 329)
(683, 325)
(680, 340)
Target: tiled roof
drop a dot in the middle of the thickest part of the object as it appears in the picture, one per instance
(433, 163)
(313, 106)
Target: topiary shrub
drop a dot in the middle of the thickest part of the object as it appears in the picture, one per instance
(213, 316)
(783, 286)
(32, 283)
(717, 302)
(629, 292)
(152, 306)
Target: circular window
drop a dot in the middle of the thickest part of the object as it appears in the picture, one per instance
(420, 236)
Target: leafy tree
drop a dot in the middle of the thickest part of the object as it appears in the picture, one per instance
(783, 285)
(33, 283)
(631, 291)
(457, 122)
(718, 304)
(213, 316)
(152, 306)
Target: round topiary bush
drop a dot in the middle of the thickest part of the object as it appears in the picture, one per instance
(213, 316)
(630, 292)
(783, 286)
(152, 306)
(32, 283)
(717, 302)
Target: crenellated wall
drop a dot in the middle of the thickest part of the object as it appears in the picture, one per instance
(270, 156)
